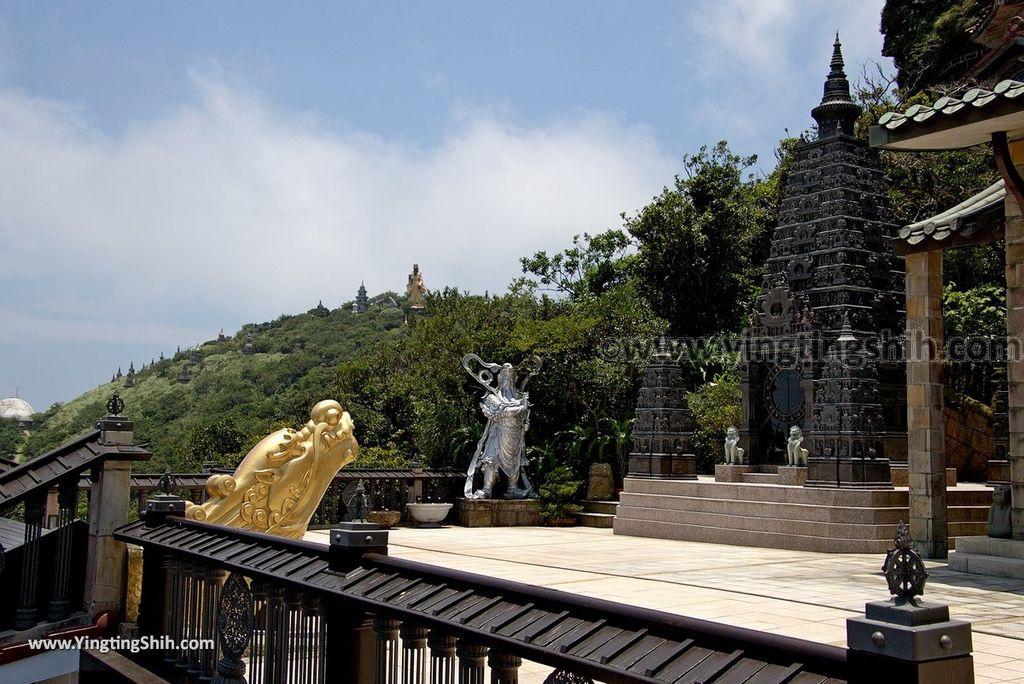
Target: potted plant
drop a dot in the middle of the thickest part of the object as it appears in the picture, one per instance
(557, 498)
(384, 517)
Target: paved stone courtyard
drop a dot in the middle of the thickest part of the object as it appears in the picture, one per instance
(799, 594)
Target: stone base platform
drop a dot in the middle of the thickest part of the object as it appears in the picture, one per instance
(998, 471)
(782, 475)
(498, 512)
(730, 473)
(900, 473)
(988, 556)
(826, 520)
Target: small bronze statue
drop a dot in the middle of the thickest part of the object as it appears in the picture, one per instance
(360, 507)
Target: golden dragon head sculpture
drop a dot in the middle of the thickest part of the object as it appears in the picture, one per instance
(279, 484)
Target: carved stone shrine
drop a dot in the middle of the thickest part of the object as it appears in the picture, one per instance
(812, 355)
(663, 430)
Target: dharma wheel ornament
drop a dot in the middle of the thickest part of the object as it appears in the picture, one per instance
(234, 627)
(903, 568)
(115, 405)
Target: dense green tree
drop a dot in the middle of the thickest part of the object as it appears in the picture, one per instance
(215, 441)
(413, 397)
(234, 399)
(593, 265)
(11, 437)
(702, 243)
(928, 40)
(978, 311)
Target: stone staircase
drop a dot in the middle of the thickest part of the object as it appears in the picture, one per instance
(797, 518)
(597, 513)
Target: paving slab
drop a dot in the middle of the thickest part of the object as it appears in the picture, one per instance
(795, 593)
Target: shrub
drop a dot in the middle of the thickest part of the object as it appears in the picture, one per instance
(558, 493)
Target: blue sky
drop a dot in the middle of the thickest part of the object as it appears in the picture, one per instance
(169, 169)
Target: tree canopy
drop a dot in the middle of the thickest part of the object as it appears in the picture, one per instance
(929, 42)
(702, 243)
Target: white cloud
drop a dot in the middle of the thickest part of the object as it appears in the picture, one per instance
(762, 64)
(226, 205)
(769, 38)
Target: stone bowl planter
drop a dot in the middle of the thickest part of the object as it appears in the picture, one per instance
(386, 519)
(427, 514)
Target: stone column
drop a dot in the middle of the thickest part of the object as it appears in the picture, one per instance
(1015, 366)
(108, 510)
(925, 429)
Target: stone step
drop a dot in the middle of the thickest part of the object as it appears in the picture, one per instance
(771, 523)
(828, 514)
(743, 491)
(788, 511)
(965, 528)
(984, 545)
(739, 537)
(760, 478)
(604, 520)
(608, 507)
(986, 565)
(967, 513)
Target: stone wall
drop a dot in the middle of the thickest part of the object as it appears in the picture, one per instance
(968, 436)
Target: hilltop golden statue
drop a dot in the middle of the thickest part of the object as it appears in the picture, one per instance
(278, 485)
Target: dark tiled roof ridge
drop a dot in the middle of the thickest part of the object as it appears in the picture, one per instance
(949, 104)
(957, 220)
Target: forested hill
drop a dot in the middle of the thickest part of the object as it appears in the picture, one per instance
(233, 397)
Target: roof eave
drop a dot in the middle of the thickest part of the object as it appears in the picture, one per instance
(967, 127)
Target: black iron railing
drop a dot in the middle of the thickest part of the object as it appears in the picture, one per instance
(386, 489)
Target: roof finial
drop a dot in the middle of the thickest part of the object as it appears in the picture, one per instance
(837, 58)
(837, 111)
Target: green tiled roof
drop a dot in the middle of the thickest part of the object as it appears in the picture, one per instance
(953, 122)
(980, 211)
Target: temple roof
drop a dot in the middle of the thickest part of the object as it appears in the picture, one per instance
(984, 210)
(953, 123)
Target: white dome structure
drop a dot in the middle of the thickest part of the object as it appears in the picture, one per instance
(16, 408)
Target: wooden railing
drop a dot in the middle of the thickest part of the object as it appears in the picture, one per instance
(55, 569)
(294, 611)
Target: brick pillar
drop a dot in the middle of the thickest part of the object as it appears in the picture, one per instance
(925, 428)
(1015, 367)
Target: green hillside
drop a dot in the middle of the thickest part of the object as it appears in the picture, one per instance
(234, 397)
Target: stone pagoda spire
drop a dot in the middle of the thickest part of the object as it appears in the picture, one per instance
(362, 301)
(831, 288)
(837, 111)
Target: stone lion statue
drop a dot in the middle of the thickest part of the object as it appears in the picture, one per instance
(999, 514)
(279, 484)
(796, 455)
(733, 452)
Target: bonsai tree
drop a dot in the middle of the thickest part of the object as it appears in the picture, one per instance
(558, 493)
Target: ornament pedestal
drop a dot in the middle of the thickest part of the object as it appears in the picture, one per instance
(499, 512)
(730, 473)
(795, 476)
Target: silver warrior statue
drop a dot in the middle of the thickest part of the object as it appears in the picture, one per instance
(502, 447)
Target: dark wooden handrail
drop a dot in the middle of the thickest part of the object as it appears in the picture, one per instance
(306, 568)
